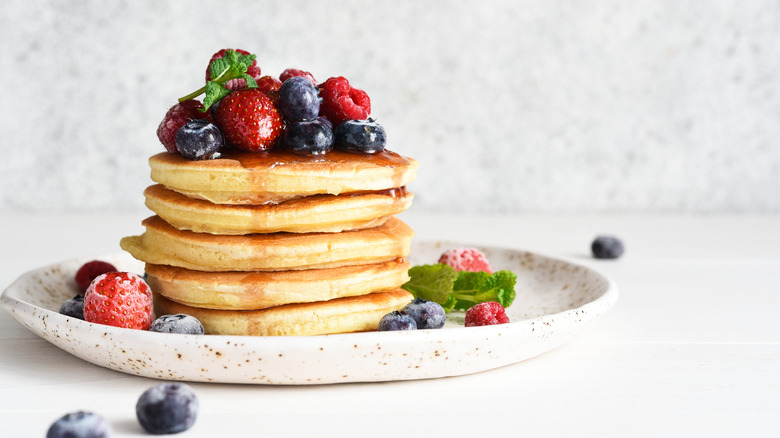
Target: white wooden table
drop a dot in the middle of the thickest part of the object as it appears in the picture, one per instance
(692, 347)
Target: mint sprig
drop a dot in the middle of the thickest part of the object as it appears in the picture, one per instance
(231, 66)
(460, 290)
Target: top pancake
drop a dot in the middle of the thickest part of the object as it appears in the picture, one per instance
(253, 178)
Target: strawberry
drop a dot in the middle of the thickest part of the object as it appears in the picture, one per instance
(249, 120)
(292, 72)
(119, 299)
(341, 102)
(235, 84)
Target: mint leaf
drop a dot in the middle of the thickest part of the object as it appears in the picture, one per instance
(471, 288)
(432, 283)
(231, 66)
(214, 92)
(460, 290)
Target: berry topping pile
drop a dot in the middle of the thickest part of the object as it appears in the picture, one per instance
(119, 299)
(466, 259)
(241, 109)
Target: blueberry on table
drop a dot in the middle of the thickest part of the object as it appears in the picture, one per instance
(308, 138)
(364, 136)
(426, 314)
(179, 323)
(167, 408)
(396, 320)
(74, 307)
(80, 425)
(607, 247)
(299, 100)
(198, 140)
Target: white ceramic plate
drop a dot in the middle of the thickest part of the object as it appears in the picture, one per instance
(555, 300)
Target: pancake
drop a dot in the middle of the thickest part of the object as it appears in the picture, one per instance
(270, 177)
(318, 213)
(162, 244)
(260, 290)
(342, 315)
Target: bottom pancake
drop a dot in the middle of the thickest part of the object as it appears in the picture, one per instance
(342, 315)
(259, 290)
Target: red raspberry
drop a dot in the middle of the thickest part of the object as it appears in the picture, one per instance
(487, 313)
(88, 271)
(176, 117)
(341, 102)
(249, 120)
(466, 259)
(235, 84)
(266, 84)
(119, 299)
(292, 72)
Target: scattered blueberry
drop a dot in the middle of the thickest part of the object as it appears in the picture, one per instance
(167, 408)
(74, 307)
(396, 320)
(426, 314)
(178, 323)
(308, 137)
(607, 247)
(299, 100)
(80, 425)
(198, 140)
(364, 136)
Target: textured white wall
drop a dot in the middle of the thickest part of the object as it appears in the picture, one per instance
(510, 106)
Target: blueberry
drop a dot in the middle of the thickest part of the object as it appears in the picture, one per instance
(396, 320)
(198, 140)
(179, 323)
(80, 425)
(365, 136)
(74, 307)
(308, 137)
(426, 314)
(299, 100)
(167, 408)
(607, 247)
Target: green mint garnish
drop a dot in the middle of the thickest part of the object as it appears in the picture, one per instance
(231, 66)
(460, 290)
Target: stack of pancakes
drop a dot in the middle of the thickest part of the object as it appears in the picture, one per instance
(273, 243)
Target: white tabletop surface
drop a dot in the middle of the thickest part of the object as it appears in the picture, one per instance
(692, 347)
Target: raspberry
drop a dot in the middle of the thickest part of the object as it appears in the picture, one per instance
(266, 84)
(466, 259)
(88, 271)
(119, 299)
(341, 102)
(486, 313)
(176, 117)
(235, 84)
(292, 72)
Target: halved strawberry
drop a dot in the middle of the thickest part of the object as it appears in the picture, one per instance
(249, 120)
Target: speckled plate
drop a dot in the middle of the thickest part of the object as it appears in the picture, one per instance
(555, 300)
